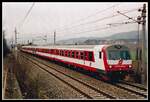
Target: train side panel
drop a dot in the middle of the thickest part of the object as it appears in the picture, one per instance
(89, 65)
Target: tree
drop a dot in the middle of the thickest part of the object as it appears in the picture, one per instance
(5, 47)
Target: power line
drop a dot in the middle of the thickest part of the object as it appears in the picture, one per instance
(99, 29)
(82, 19)
(92, 30)
(99, 12)
(27, 14)
(45, 23)
(114, 24)
(101, 19)
(126, 16)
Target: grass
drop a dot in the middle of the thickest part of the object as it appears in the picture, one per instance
(133, 55)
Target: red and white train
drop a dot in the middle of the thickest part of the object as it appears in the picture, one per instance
(111, 61)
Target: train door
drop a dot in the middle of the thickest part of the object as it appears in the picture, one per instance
(100, 61)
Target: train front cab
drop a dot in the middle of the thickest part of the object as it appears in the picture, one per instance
(117, 61)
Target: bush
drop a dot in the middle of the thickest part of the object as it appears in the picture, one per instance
(5, 48)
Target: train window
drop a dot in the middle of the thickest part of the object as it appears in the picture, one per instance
(57, 52)
(62, 53)
(77, 54)
(53, 51)
(46, 50)
(124, 55)
(72, 53)
(90, 56)
(82, 55)
(100, 55)
(50, 51)
(115, 55)
(68, 53)
(86, 55)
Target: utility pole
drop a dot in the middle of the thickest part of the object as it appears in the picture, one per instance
(138, 53)
(143, 65)
(15, 39)
(16, 43)
(54, 37)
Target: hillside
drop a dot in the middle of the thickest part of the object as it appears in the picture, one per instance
(122, 35)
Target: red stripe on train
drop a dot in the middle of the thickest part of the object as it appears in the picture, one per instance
(71, 63)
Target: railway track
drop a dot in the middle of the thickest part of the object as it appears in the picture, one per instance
(138, 92)
(85, 89)
(132, 89)
(138, 88)
(134, 85)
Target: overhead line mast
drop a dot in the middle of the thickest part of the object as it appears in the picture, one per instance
(141, 20)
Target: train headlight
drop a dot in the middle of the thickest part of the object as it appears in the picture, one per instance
(130, 66)
(110, 66)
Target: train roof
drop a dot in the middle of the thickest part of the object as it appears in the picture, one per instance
(82, 47)
(72, 47)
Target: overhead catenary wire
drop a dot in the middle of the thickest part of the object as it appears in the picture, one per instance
(86, 23)
(114, 24)
(108, 27)
(126, 16)
(27, 14)
(98, 20)
(85, 18)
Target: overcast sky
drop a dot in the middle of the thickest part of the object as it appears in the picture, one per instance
(70, 20)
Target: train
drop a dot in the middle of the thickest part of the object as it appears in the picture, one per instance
(109, 61)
